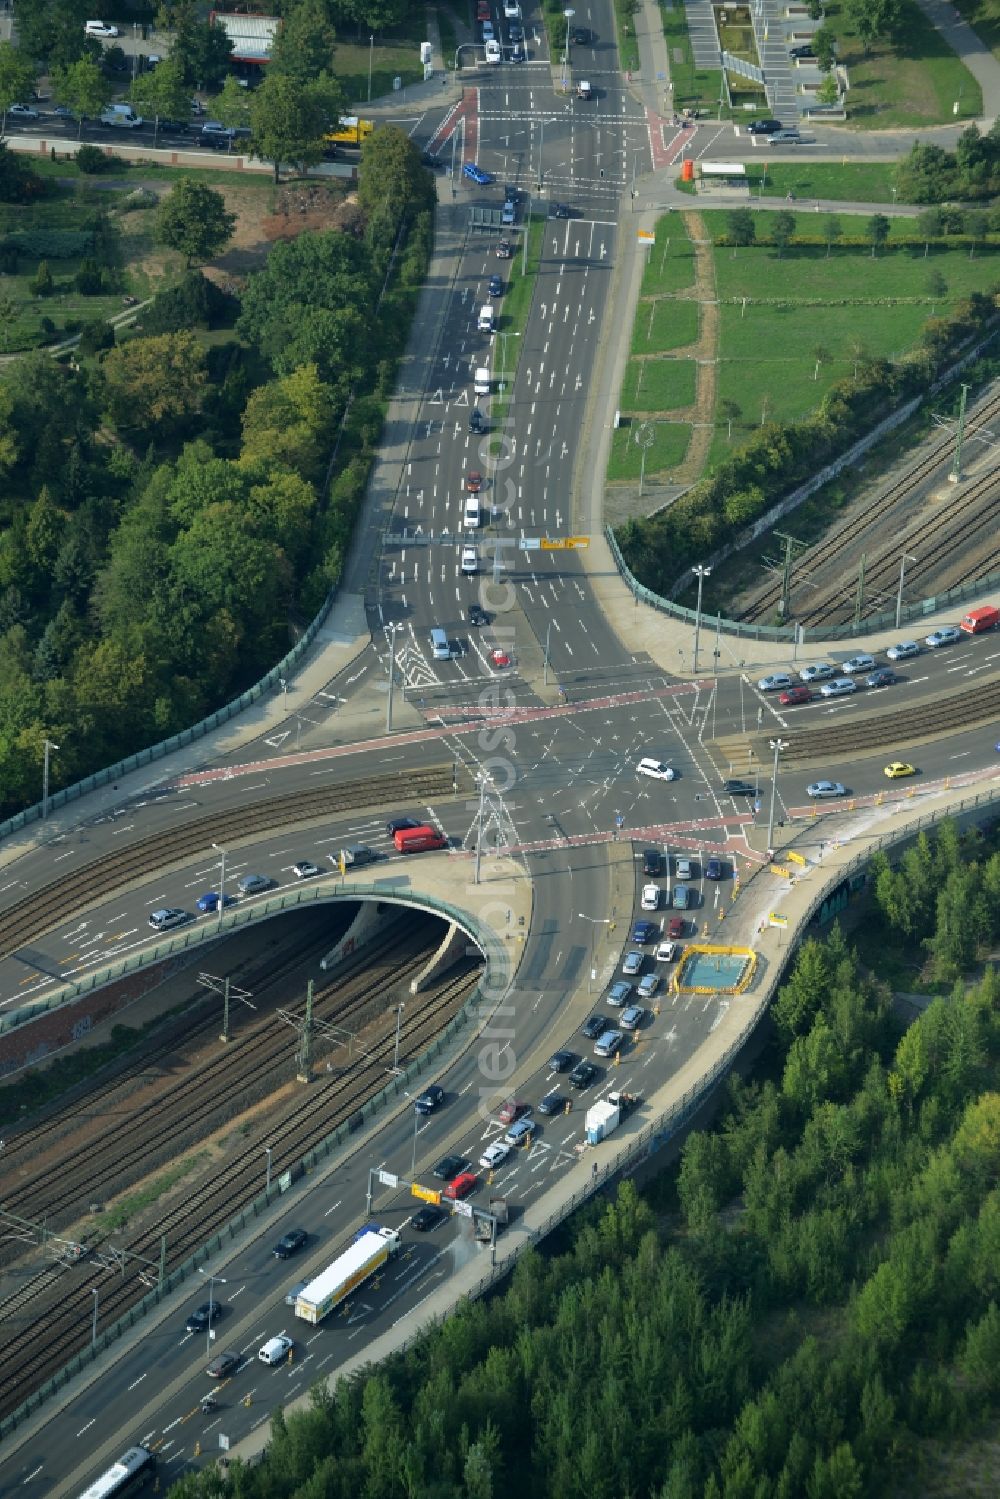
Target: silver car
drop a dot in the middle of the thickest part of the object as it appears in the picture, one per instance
(903, 651)
(632, 963)
(817, 673)
(776, 683)
(820, 789)
(947, 635)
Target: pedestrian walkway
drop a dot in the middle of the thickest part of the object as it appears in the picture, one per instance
(769, 29)
(702, 31)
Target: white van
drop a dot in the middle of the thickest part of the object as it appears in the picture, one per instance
(481, 380)
(486, 318)
(440, 646)
(275, 1350)
(122, 115)
(473, 512)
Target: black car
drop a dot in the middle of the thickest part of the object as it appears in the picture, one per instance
(583, 1074)
(883, 677)
(581, 36)
(553, 1103)
(429, 1099)
(430, 159)
(652, 862)
(477, 422)
(739, 788)
(400, 825)
(289, 1244)
(427, 1218)
(594, 1027)
(562, 1061)
(223, 1365)
(496, 286)
(477, 615)
(805, 50)
(562, 211)
(763, 127)
(514, 32)
(451, 1166)
(202, 1316)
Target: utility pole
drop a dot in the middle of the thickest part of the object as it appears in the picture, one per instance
(899, 593)
(791, 543)
(545, 668)
(225, 1011)
(305, 1045)
(859, 600)
(956, 469)
(48, 748)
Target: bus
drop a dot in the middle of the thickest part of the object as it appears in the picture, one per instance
(130, 1469)
(350, 131)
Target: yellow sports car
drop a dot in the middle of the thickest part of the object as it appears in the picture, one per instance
(899, 768)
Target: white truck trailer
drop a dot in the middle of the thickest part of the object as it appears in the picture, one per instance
(606, 1116)
(369, 1251)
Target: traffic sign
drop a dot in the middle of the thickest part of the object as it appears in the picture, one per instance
(425, 1194)
(577, 541)
(646, 237)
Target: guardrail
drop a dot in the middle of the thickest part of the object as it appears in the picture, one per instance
(481, 1002)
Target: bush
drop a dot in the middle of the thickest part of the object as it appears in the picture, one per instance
(52, 244)
(8, 260)
(41, 283)
(95, 336)
(48, 330)
(91, 159)
(18, 182)
(195, 302)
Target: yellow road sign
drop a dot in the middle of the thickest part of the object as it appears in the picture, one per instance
(426, 1194)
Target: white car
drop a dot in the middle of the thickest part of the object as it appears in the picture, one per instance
(99, 28)
(817, 673)
(470, 560)
(494, 1155)
(665, 952)
(947, 635)
(511, 10)
(854, 665)
(493, 53)
(21, 112)
(650, 897)
(903, 651)
(777, 683)
(820, 789)
(658, 769)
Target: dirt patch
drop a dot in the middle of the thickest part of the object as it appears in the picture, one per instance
(706, 386)
(263, 219)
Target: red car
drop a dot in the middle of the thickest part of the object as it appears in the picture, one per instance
(795, 695)
(675, 927)
(499, 657)
(483, 10)
(511, 1109)
(474, 482)
(461, 1186)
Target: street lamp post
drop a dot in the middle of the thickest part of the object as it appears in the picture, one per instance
(371, 59)
(48, 747)
(569, 14)
(777, 745)
(267, 1152)
(95, 1292)
(899, 592)
(212, 1278)
(701, 573)
(479, 826)
(545, 668)
(222, 879)
(595, 922)
(392, 674)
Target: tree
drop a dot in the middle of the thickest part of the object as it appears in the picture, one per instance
(17, 78)
(289, 122)
(874, 19)
(232, 105)
(163, 93)
(730, 411)
(391, 180)
(42, 284)
(155, 384)
(878, 231)
(288, 422)
(782, 229)
(929, 225)
(975, 229)
(304, 45)
(829, 90)
(824, 44)
(203, 49)
(82, 87)
(740, 227)
(192, 218)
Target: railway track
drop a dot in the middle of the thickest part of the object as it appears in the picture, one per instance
(825, 577)
(930, 719)
(52, 904)
(42, 1345)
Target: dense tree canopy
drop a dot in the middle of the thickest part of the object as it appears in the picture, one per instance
(192, 218)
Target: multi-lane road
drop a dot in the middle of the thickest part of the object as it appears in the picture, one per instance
(565, 765)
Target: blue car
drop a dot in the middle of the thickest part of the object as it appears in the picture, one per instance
(210, 901)
(477, 174)
(496, 286)
(645, 931)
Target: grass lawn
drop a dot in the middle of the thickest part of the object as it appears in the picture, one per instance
(670, 262)
(913, 82)
(984, 18)
(666, 451)
(628, 47)
(858, 182)
(693, 88)
(658, 384)
(350, 64)
(664, 324)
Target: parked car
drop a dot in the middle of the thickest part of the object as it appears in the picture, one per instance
(650, 898)
(429, 1099)
(99, 28)
(715, 869)
(652, 862)
(855, 665)
(804, 50)
(289, 1244)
